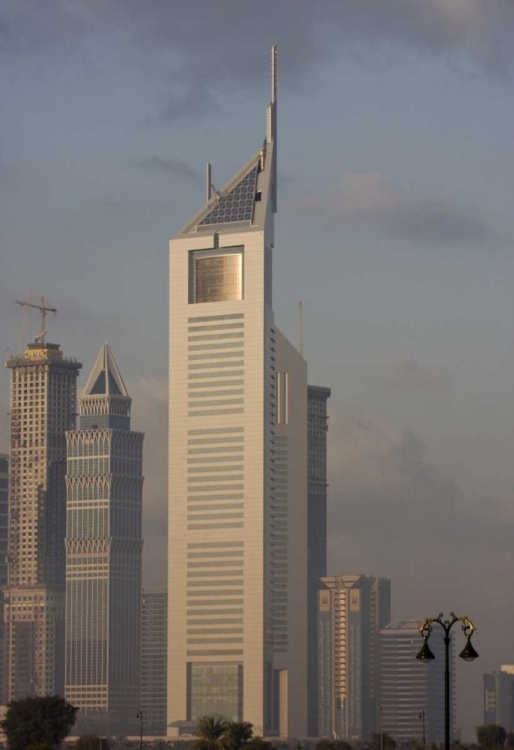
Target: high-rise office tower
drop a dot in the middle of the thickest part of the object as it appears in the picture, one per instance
(412, 692)
(317, 426)
(154, 632)
(4, 505)
(499, 697)
(237, 578)
(352, 610)
(104, 484)
(43, 406)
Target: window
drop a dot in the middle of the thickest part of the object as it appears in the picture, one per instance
(216, 275)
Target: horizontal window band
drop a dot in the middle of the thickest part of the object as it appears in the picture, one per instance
(200, 376)
(213, 545)
(218, 478)
(215, 498)
(207, 526)
(198, 641)
(217, 555)
(214, 573)
(217, 337)
(217, 506)
(230, 609)
(226, 463)
(227, 381)
(219, 563)
(201, 403)
(213, 355)
(217, 431)
(215, 621)
(216, 412)
(217, 652)
(220, 592)
(226, 441)
(229, 630)
(204, 318)
(212, 365)
(204, 347)
(215, 516)
(214, 394)
(238, 448)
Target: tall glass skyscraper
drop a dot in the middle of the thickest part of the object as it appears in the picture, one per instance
(237, 577)
(43, 407)
(103, 555)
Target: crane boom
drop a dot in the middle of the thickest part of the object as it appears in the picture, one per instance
(43, 309)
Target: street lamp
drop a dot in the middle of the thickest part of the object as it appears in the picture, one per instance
(468, 653)
(139, 716)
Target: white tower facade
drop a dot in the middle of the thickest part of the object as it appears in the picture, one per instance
(237, 576)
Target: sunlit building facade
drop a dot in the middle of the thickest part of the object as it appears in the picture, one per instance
(352, 611)
(42, 408)
(237, 577)
(103, 555)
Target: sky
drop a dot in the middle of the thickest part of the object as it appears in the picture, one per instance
(395, 229)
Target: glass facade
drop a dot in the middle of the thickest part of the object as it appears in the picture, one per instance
(216, 275)
(215, 689)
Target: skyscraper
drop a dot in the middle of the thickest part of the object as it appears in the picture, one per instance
(237, 610)
(43, 405)
(154, 632)
(352, 610)
(317, 427)
(412, 691)
(499, 697)
(4, 505)
(103, 554)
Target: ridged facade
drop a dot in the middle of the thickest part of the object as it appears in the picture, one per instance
(103, 555)
(43, 407)
(237, 576)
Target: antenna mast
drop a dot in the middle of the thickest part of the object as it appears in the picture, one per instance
(300, 325)
(43, 309)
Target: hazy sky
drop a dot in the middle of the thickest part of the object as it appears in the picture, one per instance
(395, 228)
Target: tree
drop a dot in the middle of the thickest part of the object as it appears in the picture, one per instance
(509, 740)
(237, 734)
(382, 741)
(38, 721)
(490, 736)
(91, 742)
(210, 731)
(326, 744)
(258, 743)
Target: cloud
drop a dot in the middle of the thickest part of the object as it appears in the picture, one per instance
(371, 199)
(199, 47)
(410, 376)
(171, 167)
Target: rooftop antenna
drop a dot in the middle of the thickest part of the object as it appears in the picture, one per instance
(271, 125)
(208, 178)
(300, 325)
(43, 309)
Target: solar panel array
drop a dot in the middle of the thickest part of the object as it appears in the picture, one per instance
(237, 204)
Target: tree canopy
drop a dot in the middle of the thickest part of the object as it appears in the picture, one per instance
(38, 721)
(91, 742)
(210, 731)
(490, 736)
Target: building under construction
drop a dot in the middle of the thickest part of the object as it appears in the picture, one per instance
(42, 409)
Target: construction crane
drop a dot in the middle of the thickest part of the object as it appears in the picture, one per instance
(43, 309)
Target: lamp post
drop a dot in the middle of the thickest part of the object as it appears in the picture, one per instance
(139, 716)
(468, 653)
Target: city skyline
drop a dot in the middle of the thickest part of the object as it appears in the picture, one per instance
(419, 365)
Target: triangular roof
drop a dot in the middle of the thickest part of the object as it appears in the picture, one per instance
(105, 378)
(249, 196)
